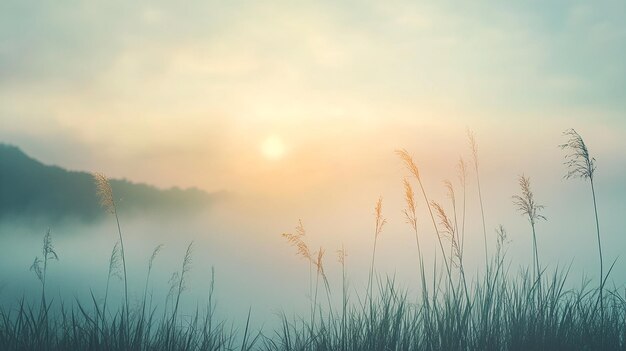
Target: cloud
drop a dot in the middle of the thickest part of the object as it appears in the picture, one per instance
(150, 88)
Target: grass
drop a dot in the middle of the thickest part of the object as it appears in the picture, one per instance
(107, 200)
(580, 164)
(526, 205)
(500, 310)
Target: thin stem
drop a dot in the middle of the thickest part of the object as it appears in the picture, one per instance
(482, 213)
(595, 208)
(443, 252)
(463, 221)
(119, 230)
(370, 280)
(419, 249)
(344, 302)
(536, 254)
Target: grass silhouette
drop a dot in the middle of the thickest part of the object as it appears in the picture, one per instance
(496, 311)
(580, 164)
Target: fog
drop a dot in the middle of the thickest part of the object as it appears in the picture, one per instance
(240, 238)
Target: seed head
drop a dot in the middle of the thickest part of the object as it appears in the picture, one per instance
(104, 191)
(578, 161)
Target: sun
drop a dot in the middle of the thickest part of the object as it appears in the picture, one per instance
(273, 148)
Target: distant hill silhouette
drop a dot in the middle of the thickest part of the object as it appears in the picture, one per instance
(28, 188)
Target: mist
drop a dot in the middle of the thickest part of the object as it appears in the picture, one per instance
(239, 237)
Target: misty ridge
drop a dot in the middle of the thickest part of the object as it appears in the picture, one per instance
(30, 189)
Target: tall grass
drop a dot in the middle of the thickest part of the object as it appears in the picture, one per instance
(474, 149)
(580, 164)
(500, 310)
(527, 206)
(410, 214)
(410, 164)
(462, 175)
(40, 265)
(297, 240)
(114, 271)
(80, 326)
(107, 200)
(380, 223)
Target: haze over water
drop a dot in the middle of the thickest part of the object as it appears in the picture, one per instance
(295, 112)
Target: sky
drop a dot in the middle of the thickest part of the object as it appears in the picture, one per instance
(188, 94)
(298, 106)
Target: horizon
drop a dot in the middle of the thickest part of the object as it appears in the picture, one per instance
(289, 114)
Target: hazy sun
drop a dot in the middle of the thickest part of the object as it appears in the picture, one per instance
(273, 148)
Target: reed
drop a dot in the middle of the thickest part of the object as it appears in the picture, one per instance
(410, 214)
(107, 200)
(114, 271)
(580, 164)
(341, 258)
(462, 174)
(40, 265)
(412, 167)
(319, 264)
(379, 224)
(155, 252)
(297, 240)
(474, 149)
(526, 205)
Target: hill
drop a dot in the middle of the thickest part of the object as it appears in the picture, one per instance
(29, 188)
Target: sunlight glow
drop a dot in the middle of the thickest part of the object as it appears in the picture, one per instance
(273, 148)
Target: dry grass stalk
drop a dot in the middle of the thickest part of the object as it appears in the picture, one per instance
(104, 191)
(380, 220)
(380, 223)
(452, 196)
(502, 240)
(302, 249)
(410, 212)
(462, 171)
(474, 148)
(114, 262)
(155, 252)
(48, 253)
(525, 202)
(408, 162)
(341, 255)
(412, 167)
(319, 262)
(178, 282)
(114, 271)
(297, 240)
(462, 174)
(580, 164)
(36, 268)
(107, 200)
(578, 161)
(448, 232)
(527, 206)
(449, 190)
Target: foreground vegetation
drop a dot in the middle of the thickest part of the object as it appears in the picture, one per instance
(499, 311)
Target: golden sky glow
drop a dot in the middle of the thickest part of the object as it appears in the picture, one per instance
(273, 148)
(207, 93)
(295, 108)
